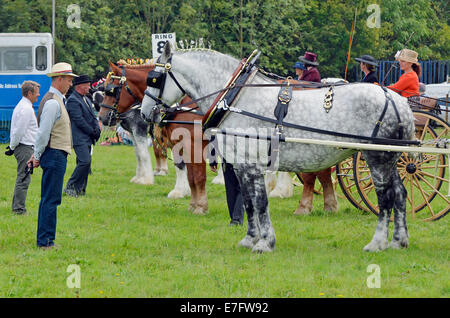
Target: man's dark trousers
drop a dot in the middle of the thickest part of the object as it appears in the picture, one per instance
(233, 192)
(53, 163)
(84, 126)
(79, 178)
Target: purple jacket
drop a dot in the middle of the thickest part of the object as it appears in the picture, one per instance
(311, 75)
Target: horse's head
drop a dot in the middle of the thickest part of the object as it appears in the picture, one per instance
(163, 88)
(124, 88)
(97, 93)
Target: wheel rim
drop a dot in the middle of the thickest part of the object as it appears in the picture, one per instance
(425, 176)
(346, 180)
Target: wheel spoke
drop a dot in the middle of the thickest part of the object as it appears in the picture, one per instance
(435, 190)
(424, 197)
(413, 205)
(424, 173)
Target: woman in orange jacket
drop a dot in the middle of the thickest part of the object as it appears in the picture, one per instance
(408, 83)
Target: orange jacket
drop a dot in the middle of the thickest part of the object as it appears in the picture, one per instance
(407, 85)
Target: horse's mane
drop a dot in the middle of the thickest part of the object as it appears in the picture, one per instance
(196, 50)
(133, 66)
(191, 44)
(201, 50)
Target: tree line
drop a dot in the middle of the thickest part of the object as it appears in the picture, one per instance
(281, 29)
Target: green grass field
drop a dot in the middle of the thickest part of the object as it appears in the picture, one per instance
(132, 241)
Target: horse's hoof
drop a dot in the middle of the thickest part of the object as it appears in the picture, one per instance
(263, 246)
(133, 180)
(248, 242)
(200, 211)
(399, 244)
(144, 181)
(275, 194)
(147, 181)
(163, 172)
(218, 180)
(331, 208)
(175, 194)
(376, 246)
(303, 211)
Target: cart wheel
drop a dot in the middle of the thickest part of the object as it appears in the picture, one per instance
(425, 176)
(346, 180)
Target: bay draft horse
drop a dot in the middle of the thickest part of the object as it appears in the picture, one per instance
(191, 176)
(356, 112)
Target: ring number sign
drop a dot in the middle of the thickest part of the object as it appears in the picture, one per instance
(158, 41)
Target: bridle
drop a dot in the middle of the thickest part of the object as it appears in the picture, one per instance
(157, 80)
(114, 90)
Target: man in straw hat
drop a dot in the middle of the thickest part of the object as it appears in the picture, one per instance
(408, 84)
(53, 144)
(368, 65)
(85, 132)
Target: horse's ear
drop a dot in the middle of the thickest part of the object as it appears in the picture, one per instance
(167, 50)
(112, 65)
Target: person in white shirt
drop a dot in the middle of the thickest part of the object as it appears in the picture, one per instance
(23, 134)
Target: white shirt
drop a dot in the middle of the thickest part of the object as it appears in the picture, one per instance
(24, 125)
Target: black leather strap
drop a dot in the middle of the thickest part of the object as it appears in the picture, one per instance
(375, 140)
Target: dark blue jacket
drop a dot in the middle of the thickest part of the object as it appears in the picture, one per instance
(82, 119)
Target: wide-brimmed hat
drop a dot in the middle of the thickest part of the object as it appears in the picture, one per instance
(309, 58)
(81, 80)
(407, 55)
(60, 69)
(300, 65)
(368, 59)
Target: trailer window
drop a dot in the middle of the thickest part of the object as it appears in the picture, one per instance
(16, 59)
(41, 58)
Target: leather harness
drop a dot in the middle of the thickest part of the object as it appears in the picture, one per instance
(224, 101)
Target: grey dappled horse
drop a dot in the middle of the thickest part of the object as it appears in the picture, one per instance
(355, 110)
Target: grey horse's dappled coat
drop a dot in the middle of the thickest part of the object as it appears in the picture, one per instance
(356, 109)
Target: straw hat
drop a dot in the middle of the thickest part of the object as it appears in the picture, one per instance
(60, 69)
(407, 56)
